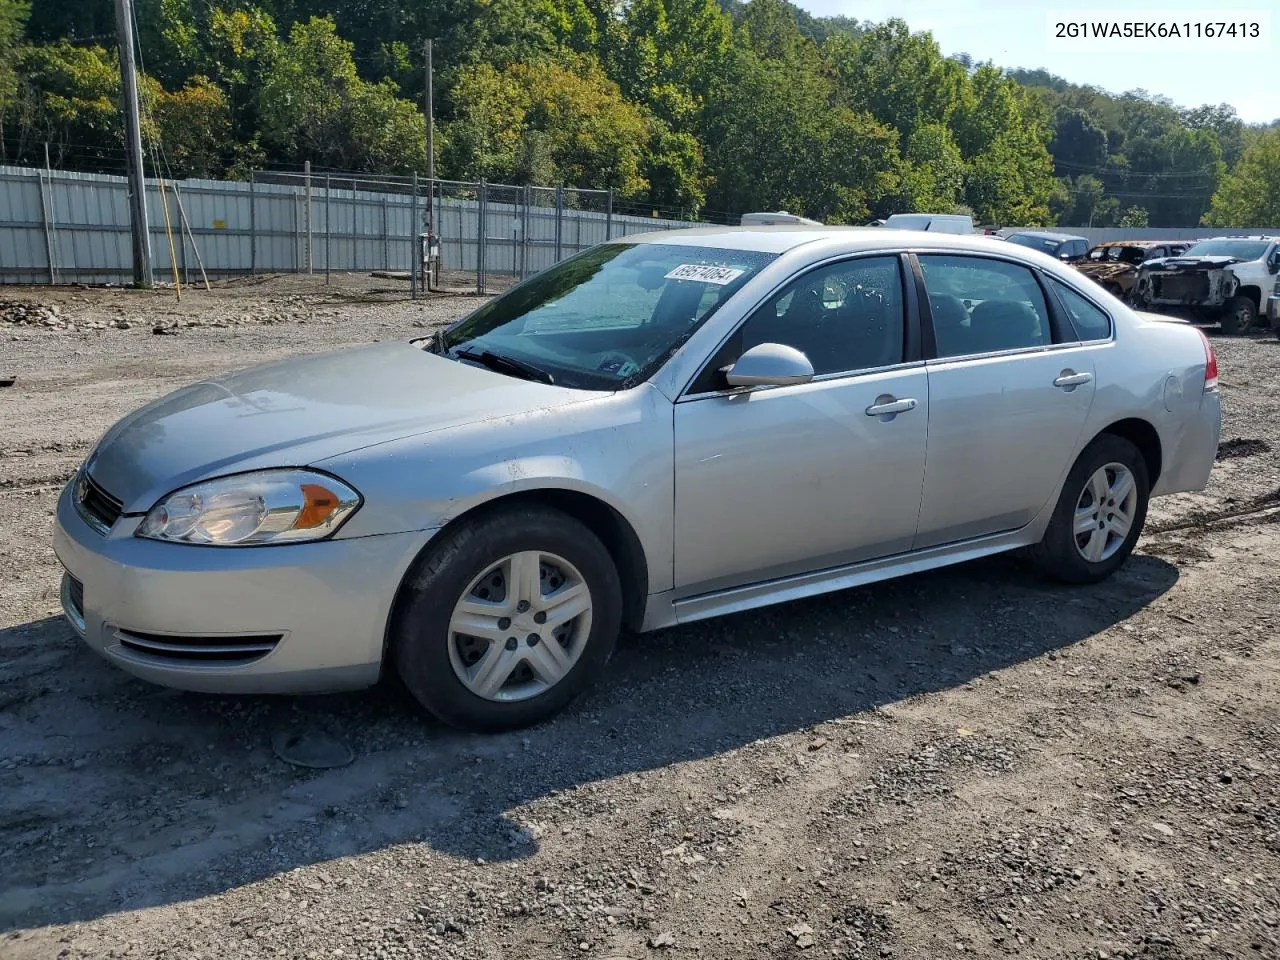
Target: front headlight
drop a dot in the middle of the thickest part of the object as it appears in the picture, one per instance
(268, 506)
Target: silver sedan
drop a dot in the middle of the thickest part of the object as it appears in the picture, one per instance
(655, 431)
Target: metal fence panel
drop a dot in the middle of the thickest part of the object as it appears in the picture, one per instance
(353, 223)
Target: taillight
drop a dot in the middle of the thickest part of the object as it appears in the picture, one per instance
(1210, 363)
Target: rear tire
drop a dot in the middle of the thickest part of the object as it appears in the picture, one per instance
(1238, 315)
(1099, 514)
(543, 596)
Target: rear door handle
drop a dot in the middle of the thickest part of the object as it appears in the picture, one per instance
(887, 406)
(1069, 379)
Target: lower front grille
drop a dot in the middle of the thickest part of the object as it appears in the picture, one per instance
(224, 651)
(73, 601)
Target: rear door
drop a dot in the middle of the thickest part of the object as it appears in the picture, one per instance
(1010, 386)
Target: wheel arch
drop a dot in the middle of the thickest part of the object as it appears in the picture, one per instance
(1251, 292)
(1145, 437)
(605, 521)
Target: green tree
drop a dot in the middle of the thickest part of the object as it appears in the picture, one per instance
(314, 106)
(773, 139)
(67, 97)
(934, 174)
(194, 127)
(1079, 143)
(1250, 194)
(664, 54)
(13, 19)
(1133, 217)
(575, 117)
(899, 77)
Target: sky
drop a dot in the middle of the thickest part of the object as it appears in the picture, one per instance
(1015, 33)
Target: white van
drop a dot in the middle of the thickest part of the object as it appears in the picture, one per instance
(773, 219)
(933, 222)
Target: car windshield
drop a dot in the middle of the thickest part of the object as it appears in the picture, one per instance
(1043, 244)
(1128, 254)
(1240, 249)
(605, 319)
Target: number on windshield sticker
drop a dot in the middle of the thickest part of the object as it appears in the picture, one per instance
(705, 273)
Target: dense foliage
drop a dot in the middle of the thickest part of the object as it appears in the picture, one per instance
(690, 105)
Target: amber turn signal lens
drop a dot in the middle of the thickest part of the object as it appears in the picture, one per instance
(319, 505)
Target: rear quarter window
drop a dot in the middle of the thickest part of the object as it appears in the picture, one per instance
(1090, 321)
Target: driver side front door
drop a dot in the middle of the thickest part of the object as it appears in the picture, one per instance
(775, 481)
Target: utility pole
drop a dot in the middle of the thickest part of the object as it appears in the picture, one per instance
(133, 145)
(429, 107)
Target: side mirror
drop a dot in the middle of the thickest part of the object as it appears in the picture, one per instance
(769, 365)
(1273, 265)
(1064, 255)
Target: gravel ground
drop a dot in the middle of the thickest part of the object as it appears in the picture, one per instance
(968, 761)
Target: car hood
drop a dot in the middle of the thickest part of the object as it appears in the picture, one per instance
(1190, 263)
(1111, 269)
(298, 411)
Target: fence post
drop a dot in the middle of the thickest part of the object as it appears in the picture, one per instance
(577, 239)
(524, 231)
(297, 231)
(355, 211)
(253, 226)
(386, 249)
(44, 215)
(310, 262)
(608, 216)
(559, 220)
(328, 229)
(413, 239)
(481, 231)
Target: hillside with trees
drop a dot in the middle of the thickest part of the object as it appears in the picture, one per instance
(688, 106)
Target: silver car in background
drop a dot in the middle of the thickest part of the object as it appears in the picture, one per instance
(657, 430)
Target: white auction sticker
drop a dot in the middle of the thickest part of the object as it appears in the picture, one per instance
(705, 273)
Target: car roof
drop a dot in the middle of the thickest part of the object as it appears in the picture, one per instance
(1046, 235)
(780, 239)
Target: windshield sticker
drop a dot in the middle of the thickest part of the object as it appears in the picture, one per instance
(705, 273)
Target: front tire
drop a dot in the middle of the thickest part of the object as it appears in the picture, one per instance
(507, 619)
(1099, 514)
(1238, 315)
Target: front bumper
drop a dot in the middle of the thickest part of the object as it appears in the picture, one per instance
(288, 619)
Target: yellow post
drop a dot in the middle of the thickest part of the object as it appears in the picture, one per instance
(168, 230)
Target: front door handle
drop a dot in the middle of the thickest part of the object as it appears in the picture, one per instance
(1069, 379)
(888, 406)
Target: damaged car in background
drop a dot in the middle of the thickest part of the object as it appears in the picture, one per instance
(1228, 279)
(1114, 265)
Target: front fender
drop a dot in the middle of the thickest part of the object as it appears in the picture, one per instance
(617, 449)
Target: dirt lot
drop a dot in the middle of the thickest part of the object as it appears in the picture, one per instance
(969, 761)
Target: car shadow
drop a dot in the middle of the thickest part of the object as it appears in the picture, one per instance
(120, 795)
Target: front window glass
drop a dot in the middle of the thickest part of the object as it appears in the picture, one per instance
(844, 317)
(605, 319)
(1240, 249)
(1100, 253)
